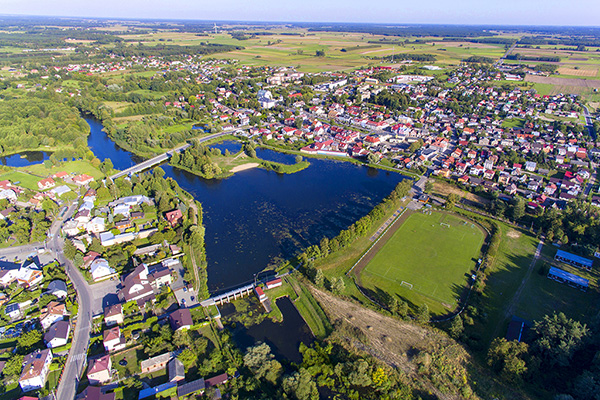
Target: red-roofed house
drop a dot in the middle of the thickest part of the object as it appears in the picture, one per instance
(99, 370)
(273, 283)
(82, 179)
(174, 217)
(46, 183)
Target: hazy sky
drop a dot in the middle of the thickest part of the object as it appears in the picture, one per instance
(506, 12)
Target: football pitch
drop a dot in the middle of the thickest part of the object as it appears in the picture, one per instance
(427, 260)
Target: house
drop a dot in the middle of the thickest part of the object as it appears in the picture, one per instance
(52, 313)
(136, 286)
(191, 387)
(95, 393)
(260, 294)
(36, 367)
(82, 179)
(96, 225)
(174, 217)
(13, 311)
(160, 276)
(60, 190)
(57, 288)
(46, 183)
(273, 283)
(123, 224)
(176, 370)
(58, 334)
(113, 340)
(113, 315)
(100, 370)
(181, 319)
(156, 363)
(100, 270)
(216, 380)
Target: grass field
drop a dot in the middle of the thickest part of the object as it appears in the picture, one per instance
(433, 253)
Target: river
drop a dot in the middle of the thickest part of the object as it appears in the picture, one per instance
(258, 218)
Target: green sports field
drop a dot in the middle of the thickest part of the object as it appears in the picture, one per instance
(427, 260)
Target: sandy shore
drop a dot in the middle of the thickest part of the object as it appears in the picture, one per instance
(244, 167)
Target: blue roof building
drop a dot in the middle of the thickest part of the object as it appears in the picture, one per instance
(145, 393)
(570, 279)
(574, 260)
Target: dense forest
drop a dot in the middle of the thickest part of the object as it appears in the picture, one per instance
(32, 123)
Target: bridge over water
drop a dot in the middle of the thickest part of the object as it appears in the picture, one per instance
(144, 165)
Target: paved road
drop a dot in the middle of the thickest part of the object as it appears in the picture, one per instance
(589, 122)
(78, 354)
(10, 253)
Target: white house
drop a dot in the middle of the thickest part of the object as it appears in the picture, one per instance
(96, 225)
(100, 269)
(57, 288)
(58, 334)
(8, 194)
(52, 313)
(113, 340)
(122, 209)
(36, 367)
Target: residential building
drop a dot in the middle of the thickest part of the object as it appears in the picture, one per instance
(95, 393)
(58, 334)
(113, 315)
(113, 340)
(156, 363)
(53, 312)
(100, 270)
(181, 319)
(100, 370)
(36, 367)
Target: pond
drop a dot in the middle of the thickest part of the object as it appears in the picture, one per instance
(257, 218)
(284, 337)
(25, 158)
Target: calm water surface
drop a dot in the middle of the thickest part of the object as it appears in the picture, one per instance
(258, 218)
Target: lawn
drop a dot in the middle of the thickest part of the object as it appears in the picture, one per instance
(543, 296)
(427, 260)
(77, 167)
(21, 179)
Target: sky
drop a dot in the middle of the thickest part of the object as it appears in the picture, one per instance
(472, 12)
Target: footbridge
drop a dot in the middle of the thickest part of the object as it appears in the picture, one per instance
(229, 296)
(144, 165)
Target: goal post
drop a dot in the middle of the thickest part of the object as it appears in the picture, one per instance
(408, 285)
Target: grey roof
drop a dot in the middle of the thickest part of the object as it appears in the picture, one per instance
(56, 285)
(59, 330)
(191, 387)
(176, 369)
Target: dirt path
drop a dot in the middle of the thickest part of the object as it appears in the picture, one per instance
(510, 309)
(373, 250)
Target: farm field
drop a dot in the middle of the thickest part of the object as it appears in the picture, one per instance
(427, 260)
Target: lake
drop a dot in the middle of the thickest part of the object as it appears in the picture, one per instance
(257, 218)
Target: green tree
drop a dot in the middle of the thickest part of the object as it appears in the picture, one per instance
(451, 200)
(28, 340)
(262, 363)
(557, 337)
(14, 365)
(188, 358)
(319, 278)
(518, 209)
(456, 327)
(300, 385)
(337, 285)
(69, 249)
(507, 358)
(423, 314)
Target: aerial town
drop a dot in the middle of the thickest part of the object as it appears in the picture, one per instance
(189, 225)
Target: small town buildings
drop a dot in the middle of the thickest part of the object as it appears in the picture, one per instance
(113, 315)
(176, 370)
(273, 283)
(100, 270)
(260, 294)
(574, 260)
(95, 393)
(113, 340)
(156, 363)
(174, 217)
(82, 179)
(46, 183)
(181, 319)
(36, 367)
(136, 286)
(57, 288)
(53, 312)
(13, 311)
(58, 334)
(197, 386)
(100, 370)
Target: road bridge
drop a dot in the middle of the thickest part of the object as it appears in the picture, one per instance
(144, 165)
